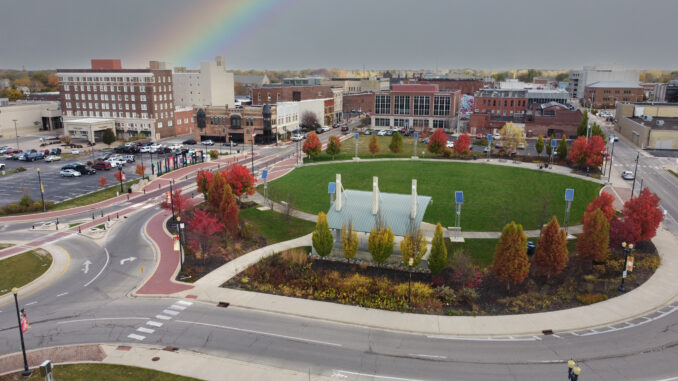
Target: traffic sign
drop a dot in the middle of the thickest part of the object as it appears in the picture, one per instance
(459, 197)
(489, 137)
(357, 135)
(554, 143)
(331, 188)
(264, 174)
(416, 135)
(569, 194)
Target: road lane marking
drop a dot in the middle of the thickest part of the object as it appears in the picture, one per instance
(108, 257)
(97, 319)
(145, 330)
(185, 303)
(154, 323)
(262, 333)
(62, 294)
(162, 317)
(30, 304)
(170, 312)
(336, 373)
(179, 308)
(136, 337)
(461, 338)
(427, 356)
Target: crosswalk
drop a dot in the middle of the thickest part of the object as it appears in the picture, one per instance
(167, 314)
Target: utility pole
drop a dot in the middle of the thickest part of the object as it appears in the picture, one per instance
(16, 131)
(635, 171)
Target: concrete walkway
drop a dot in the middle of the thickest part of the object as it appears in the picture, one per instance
(182, 362)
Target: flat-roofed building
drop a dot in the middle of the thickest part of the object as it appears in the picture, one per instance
(605, 94)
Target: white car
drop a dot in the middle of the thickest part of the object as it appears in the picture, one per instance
(297, 138)
(496, 136)
(155, 147)
(627, 175)
(75, 151)
(114, 163)
(176, 146)
(128, 158)
(381, 133)
(326, 128)
(69, 173)
(207, 142)
(450, 144)
(52, 158)
(2, 165)
(145, 149)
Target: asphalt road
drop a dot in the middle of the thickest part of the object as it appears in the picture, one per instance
(96, 307)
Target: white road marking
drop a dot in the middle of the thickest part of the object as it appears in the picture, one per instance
(342, 374)
(136, 337)
(108, 257)
(262, 333)
(147, 206)
(145, 330)
(170, 312)
(62, 294)
(97, 319)
(179, 308)
(459, 338)
(162, 317)
(30, 304)
(154, 323)
(85, 266)
(427, 356)
(130, 259)
(669, 379)
(629, 324)
(137, 205)
(184, 302)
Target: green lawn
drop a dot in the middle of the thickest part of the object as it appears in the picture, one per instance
(100, 372)
(493, 195)
(94, 197)
(5, 245)
(22, 269)
(274, 226)
(348, 148)
(481, 251)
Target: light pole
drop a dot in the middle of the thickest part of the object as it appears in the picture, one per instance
(573, 371)
(42, 191)
(609, 174)
(181, 248)
(410, 262)
(26, 371)
(627, 251)
(120, 170)
(16, 132)
(633, 187)
(252, 152)
(171, 197)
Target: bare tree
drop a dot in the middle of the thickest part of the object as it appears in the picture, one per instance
(309, 119)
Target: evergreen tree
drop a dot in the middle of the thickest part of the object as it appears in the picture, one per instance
(562, 148)
(549, 148)
(595, 240)
(511, 264)
(322, 236)
(380, 242)
(109, 136)
(551, 255)
(374, 145)
(583, 125)
(438, 257)
(539, 146)
(396, 145)
(349, 240)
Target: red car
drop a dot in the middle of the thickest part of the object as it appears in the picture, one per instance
(102, 165)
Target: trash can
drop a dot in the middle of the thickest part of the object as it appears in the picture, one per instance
(531, 247)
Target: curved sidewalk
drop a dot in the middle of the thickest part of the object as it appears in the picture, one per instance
(660, 290)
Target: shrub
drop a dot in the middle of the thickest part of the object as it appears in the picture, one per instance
(448, 152)
(446, 295)
(413, 246)
(322, 236)
(380, 242)
(13, 208)
(591, 298)
(649, 263)
(438, 257)
(468, 295)
(26, 201)
(296, 256)
(419, 290)
(214, 154)
(396, 145)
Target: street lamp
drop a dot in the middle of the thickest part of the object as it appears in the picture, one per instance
(410, 262)
(573, 371)
(42, 191)
(627, 251)
(16, 132)
(26, 371)
(120, 170)
(181, 248)
(171, 197)
(252, 151)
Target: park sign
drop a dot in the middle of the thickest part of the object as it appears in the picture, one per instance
(357, 135)
(459, 197)
(416, 134)
(554, 143)
(569, 194)
(264, 174)
(331, 187)
(489, 137)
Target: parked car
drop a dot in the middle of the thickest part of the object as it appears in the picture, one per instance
(115, 163)
(52, 158)
(424, 140)
(154, 148)
(175, 146)
(521, 145)
(615, 137)
(297, 138)
(449, 144)
(627, 175)
(69, 173)
(344, 128)
(75, 151)
(55, 151)
(326, 128)
(79, 167)
(367, 132)
(2, 166)
(207, 142)
(189, 142)
(230, 144)
(102, 165)
(486, 149)
(17, 156)
(34, 156)
(129, 158)
(143, 149)
(381, 133)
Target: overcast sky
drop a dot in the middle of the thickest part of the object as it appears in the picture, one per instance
(350, 34)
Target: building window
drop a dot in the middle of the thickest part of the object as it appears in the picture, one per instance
(382, 104)
(441, 106)
(438, 123)
(422, 105)
(382, 122)
(399, 122)
(401, 105)
(421, 123)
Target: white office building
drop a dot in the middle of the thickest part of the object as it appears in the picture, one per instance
(579, 79)
(212, 85)
(288, 119)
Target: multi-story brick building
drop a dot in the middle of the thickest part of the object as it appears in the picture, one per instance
(139, 100)
(553, 119)
(237, 124)
(363, 102)
(605, 94)
(466, 86)
(274, 93)
(184, 120)
(418, 106)
(494, 107)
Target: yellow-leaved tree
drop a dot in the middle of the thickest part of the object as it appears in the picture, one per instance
(322, 236)
(349, 240)
(413, 246)
(512, 135)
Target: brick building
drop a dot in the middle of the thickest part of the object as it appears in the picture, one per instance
(363, 102)
(553, 118)
(605, 94)
(237, 124)
(494, 107)
(466, 86)
(274, 93)
(139, 100)
(418, 106)
(184, 120)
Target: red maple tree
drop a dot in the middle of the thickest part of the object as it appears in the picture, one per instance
(461, 146)
(312, 145)
(215, 193)
(594, 242)
(181, 202)
(102, 181)
(204, 180)
(645, 212)
(623, 230)
(240, 179)
(587, 151)
(200, 230)
(604, 203)
(228, 210)
(437, 141)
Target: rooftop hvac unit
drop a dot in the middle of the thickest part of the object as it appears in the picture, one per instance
(660, 123)
(646, 118)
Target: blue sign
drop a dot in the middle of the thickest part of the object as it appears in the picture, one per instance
(489, 137)
(331, 187)
(459, 197)
(416, 135)
(569, 194)
(357, 135)
(554, 143)
(264, 173)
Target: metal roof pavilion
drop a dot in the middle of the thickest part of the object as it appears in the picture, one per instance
(394, 209)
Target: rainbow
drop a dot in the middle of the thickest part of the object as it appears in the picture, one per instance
(214, 28)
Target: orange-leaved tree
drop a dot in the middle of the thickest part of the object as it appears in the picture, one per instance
(240, 179)
(551, 255)
(333, 146)
(215, 193)
(594, 242)
(461, 146)
(204, 180)
(312, 145)
(228, 210)
(374, 145)
(141, 170)
(438, 141)
(511, 264)
(604, 203)
(102, 181)
(178, 202)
